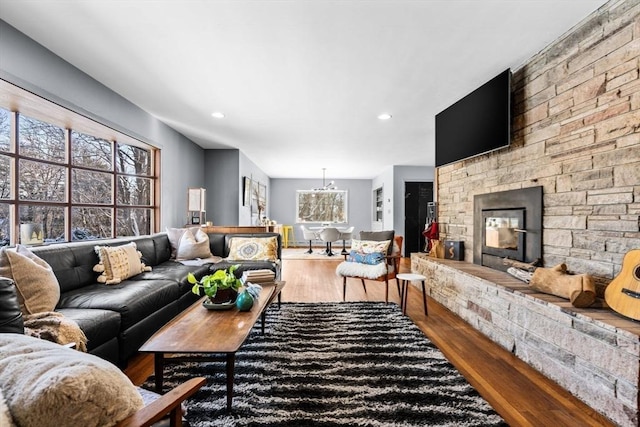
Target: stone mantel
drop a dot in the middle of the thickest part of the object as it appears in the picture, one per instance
(592, 352)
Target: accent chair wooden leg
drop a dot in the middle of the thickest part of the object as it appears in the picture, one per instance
(424, 299)
(386, 291)
(364, 286)
(344, 288)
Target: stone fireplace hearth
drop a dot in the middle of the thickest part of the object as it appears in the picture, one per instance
(507, 224)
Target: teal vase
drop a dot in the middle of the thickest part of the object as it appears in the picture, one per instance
(244, 302)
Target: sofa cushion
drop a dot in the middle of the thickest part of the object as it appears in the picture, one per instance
(155, 249)
(245, 266)
(133, 299)
(72, 263)
(37, 286)
(10, 314)
(99, 326)
(118, 263)
(46, 384)
(253, 249)
(172, 270)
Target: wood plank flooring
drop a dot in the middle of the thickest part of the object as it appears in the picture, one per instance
(521, 395)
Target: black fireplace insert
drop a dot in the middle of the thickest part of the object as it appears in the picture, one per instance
(507, 224)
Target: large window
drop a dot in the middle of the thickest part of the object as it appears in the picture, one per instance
(59, 182)
(323, 206)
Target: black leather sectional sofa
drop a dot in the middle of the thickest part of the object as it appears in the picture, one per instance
(118, 319)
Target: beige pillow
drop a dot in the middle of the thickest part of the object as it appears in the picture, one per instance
(118, 263)
(370, 246)
(253, 248)
(193, 245)
(37, 286)
(46, 384)
(175, 234)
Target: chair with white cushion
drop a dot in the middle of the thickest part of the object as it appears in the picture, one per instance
(330, 235)
(309, 235)
(344, 236)
(362, 269)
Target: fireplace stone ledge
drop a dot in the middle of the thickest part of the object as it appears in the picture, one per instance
(593, 353)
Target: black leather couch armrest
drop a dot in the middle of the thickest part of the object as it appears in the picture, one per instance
(10, 315)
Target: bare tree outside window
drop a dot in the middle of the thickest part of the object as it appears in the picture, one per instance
(5, 130)
(40, 140)
(91, 152)
(71, 185)
(324, 206)
(5, 224)
(5, 177)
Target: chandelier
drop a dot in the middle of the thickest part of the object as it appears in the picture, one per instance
(326, 185)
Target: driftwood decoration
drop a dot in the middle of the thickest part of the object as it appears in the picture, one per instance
(579, 289)
(531, 266)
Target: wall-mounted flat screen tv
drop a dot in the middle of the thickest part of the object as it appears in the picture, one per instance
(478, 123)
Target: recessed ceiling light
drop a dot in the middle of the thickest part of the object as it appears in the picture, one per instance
(384, 116)
(217, 115)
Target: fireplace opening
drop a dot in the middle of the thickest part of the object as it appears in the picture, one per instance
(504, 233)
(507, 224)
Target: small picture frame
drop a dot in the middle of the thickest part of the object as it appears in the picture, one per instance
(195, 220)
(246, 190)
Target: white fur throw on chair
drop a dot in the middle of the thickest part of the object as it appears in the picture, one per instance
(356, 269)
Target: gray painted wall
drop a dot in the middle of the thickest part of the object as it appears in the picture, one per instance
(283, 201)
(29, 65)
(251, 170)
(402, 175)
(222, 167)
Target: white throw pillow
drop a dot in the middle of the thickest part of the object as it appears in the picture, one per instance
(193, 245)
(175, 234)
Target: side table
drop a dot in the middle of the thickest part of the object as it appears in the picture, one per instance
(405, 279)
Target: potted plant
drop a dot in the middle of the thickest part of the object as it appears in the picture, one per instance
(220, 287)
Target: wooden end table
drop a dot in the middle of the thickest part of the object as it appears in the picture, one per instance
(192, 332)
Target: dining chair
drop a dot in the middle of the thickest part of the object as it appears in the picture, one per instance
(329, 235)
(309, 235)
(344, 236)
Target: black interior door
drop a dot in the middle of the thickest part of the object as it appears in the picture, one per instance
(416, 197)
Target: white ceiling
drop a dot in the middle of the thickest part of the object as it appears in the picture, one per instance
(300, 82)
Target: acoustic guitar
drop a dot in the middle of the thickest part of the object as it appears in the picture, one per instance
(623, 293)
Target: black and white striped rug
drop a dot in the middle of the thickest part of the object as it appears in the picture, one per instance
(336, 364)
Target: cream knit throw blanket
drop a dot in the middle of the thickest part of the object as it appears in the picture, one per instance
(53, 326)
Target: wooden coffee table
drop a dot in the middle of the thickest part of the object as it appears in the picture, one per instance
(200, 331)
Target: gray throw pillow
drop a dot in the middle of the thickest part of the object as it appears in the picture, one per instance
(379, 236)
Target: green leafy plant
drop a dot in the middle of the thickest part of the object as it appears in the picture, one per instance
(212, 283)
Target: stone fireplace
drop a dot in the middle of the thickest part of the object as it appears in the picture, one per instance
(507, 224)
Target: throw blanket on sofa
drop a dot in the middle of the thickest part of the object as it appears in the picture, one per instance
(53, 326)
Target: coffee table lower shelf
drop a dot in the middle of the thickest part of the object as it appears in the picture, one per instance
(191, 335)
